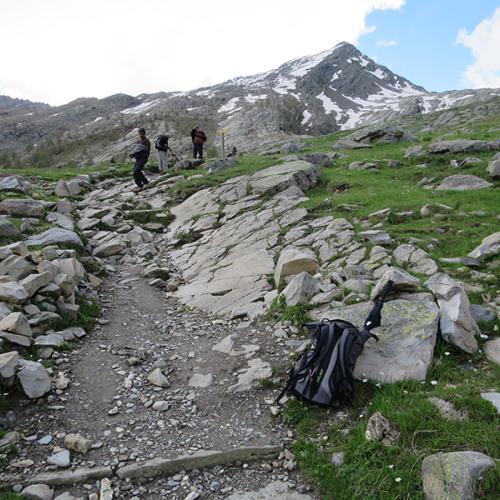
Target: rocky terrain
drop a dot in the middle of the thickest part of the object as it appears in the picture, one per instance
(144, 338)
(337, 89)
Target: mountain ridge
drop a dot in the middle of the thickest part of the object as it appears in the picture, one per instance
(337, 89)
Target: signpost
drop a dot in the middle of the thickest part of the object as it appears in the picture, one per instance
(222, 132)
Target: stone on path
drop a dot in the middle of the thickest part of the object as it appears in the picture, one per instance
(157, 378)
(38, 492)
(492, 350)
(489, 246)
(294, 261)
(201, 381)
(462, 182)
(277, 490)
(49, 340)
(407, 337)
(256, 370)
(76, 442)
(105, 490)
(493, 398)
(35, 380)
(453, 475)
(457, 324)
(60, 459)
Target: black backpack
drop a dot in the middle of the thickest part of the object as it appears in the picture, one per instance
(161, 143)
(323, 374)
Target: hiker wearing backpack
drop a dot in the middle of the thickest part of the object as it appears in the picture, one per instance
(140, 153)
(161, 145)
(199, 138)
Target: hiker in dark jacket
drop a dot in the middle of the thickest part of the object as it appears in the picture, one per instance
(141, 158)
(199, 138)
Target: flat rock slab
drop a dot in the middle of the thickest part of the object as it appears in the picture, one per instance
(407, 338)
(55, 236)
(277, 490)
(463, 183)
(489, 246)
(166, 466)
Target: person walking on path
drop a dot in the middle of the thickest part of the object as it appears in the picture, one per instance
(161, 145)
(199, 138)
(141, 151)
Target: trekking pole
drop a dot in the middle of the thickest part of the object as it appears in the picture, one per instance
(173, 154)
(374, 317)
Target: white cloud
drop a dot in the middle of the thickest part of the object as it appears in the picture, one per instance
(57, 50)
(484, 43)
(386, 43)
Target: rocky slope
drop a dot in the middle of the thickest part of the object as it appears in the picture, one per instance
(163, 390)
(340, 88)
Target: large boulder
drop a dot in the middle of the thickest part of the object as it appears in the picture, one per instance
(407, 337)
(494, 169)
(13, 183)
(401, 282)
(489, 246)
(35, 380)
(453, 475)
(12, 292)
(16, 266)
(277, 178)
(111, 247)
(463, 182)
(9, 230)
(34, 282)
(463, 146)
(22, 207)
(416, 259)
(55, 236)
(70, 188)
(294, 261)
(457, 324)
(16, 323)
(415, 152)
(9, 361)
(301, 289)
(72, 267)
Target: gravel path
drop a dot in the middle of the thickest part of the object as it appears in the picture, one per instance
(128, 419)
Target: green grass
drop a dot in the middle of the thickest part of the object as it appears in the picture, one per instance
(279, 311)
(88, 313)
(10, 495)
(370, 469)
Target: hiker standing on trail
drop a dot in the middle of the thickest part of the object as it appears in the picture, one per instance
(199, 138)
(140, 153)
(161, 145)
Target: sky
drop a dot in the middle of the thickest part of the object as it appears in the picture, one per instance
(58, 50)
